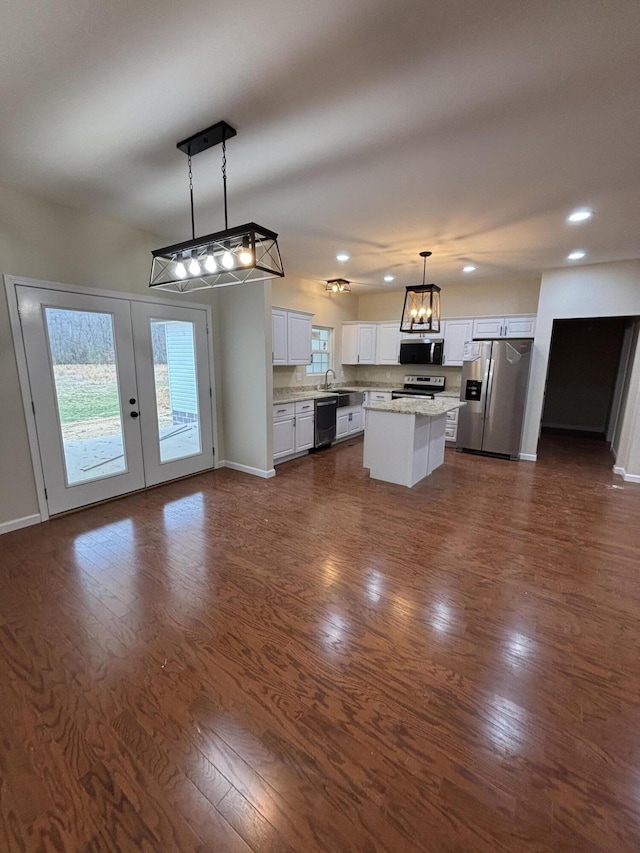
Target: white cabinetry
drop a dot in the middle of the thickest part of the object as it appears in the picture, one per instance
(299, 338)
(359, 343)
(457, 332)
(522, 326)
(348, 421)
(290, 336)
(427, 336)
(279, 336)
(451, 428)
(378, 396)
(284, 436)
(304, 425)
(293, 428)
(388, 344)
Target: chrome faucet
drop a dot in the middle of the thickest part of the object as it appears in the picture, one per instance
(326, 378)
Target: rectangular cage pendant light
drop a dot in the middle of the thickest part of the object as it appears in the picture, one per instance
(421, 310)
(236, 255)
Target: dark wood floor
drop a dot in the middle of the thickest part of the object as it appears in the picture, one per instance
(321, 662)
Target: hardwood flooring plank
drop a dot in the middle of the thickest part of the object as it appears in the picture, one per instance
(181, 673)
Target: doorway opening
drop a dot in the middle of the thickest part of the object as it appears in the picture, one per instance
(587, 382)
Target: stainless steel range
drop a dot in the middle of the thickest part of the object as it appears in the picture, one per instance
(421, 387)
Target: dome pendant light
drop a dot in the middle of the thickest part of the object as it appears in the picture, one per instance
(236, 255)
(421, 311)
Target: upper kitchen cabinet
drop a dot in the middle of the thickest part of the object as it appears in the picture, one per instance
(279, 336)
(522, 326)
(359, 343)
(291, 336)
(388, 343)
(457, 332)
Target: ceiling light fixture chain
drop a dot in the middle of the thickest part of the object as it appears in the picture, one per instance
(193, 221)
(224, 179)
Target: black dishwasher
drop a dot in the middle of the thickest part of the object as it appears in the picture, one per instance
(325, 429)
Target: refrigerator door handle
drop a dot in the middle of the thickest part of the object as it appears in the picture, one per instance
(489, 389)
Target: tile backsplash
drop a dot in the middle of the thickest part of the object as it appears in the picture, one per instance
(365, 374)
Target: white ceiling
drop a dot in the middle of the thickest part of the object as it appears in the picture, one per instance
(467, 127)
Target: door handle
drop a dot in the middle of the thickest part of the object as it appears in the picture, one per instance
(135, 414)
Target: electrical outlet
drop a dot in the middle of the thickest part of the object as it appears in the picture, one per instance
(298, 377)
(366, 374)
(388, 374)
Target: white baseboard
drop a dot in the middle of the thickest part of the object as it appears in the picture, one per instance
(247, 469)
(18, 523)
(628, 478)
(529, 457)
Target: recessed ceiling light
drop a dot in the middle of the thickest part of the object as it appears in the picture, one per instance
(580, 215)
(342, 257)
(389, 278)
(469, 268)
(578, 255)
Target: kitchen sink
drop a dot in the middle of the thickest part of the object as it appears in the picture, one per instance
(348, 398)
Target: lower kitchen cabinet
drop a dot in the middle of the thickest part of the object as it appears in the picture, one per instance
(348, 421)
(293, 428)
(451, 427)
(304, 425)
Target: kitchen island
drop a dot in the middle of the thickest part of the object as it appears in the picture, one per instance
(404, 438)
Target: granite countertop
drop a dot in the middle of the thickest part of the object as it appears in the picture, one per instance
(412, 406)
(296, 396)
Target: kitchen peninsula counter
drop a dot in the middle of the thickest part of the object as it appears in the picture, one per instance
(404, 438)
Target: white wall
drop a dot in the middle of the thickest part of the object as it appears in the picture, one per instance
(244, 315)
(598, 290)
(464, 299)
(50, 242)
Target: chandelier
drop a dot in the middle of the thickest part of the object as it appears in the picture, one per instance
(421, 311)
(235, 255)
(338, 285)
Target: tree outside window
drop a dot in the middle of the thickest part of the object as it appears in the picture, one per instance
(320, 350)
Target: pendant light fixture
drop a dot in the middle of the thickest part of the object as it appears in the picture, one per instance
(236, 255)
(421, 311)
(338, 285)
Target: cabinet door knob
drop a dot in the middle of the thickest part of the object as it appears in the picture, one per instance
(135, 414)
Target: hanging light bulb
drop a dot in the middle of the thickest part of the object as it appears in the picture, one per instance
(210, 262)
(246, 255)
(194, 266)
(227, 258)
(181, 271)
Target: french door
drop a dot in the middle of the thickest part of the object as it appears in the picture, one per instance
(121, 393)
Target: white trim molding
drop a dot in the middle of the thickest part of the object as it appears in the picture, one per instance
(247, 469)
(628, 478)
(19, 523)
(528, 457)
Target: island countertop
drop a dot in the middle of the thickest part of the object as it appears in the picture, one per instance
(412, 406)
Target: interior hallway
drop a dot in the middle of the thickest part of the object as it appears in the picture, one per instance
(320, 662)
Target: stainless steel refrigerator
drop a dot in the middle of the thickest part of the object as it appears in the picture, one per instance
(494, 386)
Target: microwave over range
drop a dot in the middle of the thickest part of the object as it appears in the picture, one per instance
(422, 352)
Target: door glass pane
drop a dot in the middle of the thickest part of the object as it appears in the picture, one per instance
(83, 358)
(174, 367)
